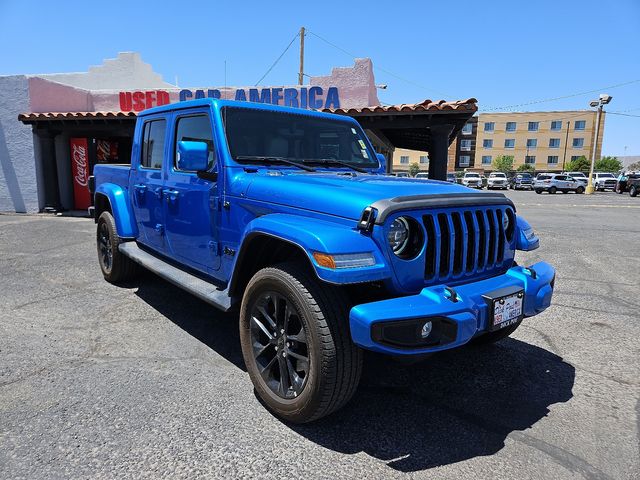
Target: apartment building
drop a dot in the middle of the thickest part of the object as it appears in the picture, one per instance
(544, 140)
(402, 158)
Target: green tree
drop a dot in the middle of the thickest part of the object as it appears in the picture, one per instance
(414, 168)
(580, 164)
(525, 167)
(503, 163)
(608, 164)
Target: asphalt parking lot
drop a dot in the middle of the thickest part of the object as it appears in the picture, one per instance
(145, 381)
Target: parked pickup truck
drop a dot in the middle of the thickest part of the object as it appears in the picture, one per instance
(287, 214)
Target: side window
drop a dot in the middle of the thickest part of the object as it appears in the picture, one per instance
(195, 128)
(153, 135)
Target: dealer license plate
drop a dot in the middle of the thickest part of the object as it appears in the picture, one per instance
(507, 310)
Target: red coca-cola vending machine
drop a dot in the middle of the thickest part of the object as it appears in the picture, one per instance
(80, 172)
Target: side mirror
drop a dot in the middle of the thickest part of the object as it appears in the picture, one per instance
(193, 156)
(383, 163)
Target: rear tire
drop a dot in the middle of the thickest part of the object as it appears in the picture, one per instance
(580, 190)
(553, 190)
(493, 337)
(538, 191)
(306, 367)
(115, 266)
(633, 191)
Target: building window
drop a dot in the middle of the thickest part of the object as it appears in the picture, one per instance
(575, 157)
(511, 126)
(404, 159)
(467, 129)
(532, 142)
(556, 125)
(486, 159)
(487, 143)
(578, 142)
(579, 125)
(533, 126)
(489, 126)
(465, 145)
(424, 159)
(554, 143)
(552, 159)
(530, 159)
(464, 160)
(510, 143)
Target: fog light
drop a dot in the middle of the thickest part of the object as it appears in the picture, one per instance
(426, 329)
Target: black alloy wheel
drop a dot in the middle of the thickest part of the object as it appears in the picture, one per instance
(105, 248)
(115, 266)
(279, 345)
(296, 343)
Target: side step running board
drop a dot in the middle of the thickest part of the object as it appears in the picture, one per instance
(200, 288)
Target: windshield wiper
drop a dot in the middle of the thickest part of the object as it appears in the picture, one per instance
(332, 161)
(266, 159)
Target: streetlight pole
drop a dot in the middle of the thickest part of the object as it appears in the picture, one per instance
(566, 142)
(601, 102)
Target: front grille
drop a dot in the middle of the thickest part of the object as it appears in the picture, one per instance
(465, 242)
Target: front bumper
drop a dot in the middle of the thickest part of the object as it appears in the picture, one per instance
(466, 317)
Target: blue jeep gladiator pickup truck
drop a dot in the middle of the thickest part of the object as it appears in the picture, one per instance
(288, 215)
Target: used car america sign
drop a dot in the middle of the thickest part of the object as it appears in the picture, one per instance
(312, 97)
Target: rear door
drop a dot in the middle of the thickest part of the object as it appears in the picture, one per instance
(148, 182)
(192, 203)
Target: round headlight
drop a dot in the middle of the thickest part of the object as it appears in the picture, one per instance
(398, 235)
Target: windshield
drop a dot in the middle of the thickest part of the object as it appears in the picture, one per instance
(497, 175)
(472, 175)
(606, 175)
(577, 174)
(265, 134)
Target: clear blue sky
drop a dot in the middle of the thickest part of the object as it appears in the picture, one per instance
(501, 52)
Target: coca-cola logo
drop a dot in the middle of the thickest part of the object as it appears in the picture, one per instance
(79, 158)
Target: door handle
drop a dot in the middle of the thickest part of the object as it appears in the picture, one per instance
(170, 195)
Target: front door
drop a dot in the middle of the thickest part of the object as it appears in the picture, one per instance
(191, 202)
(147, 185)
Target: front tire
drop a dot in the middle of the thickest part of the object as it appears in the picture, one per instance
(580, 190)
(296, 343)
(115, 266)
(553, 190)
(538, 191)
(633, 191)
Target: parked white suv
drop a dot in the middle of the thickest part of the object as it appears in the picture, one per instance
(497, 180)
(472, 180)
(579, 176)
(555, 182)
(604, 181)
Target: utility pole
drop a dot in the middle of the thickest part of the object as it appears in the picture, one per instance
(301, 72)
(566, 141)
(601, 102)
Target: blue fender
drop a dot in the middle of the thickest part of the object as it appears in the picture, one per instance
(121, 209)
(314, 235)
(526, 239)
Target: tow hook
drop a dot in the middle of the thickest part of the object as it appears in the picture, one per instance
(451, 294)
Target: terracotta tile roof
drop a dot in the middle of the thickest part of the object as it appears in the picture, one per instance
(468, 105)
(27, 117)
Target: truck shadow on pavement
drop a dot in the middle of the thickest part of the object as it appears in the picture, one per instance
(451, 407)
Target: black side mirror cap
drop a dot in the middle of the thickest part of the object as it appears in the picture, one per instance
(211, 176)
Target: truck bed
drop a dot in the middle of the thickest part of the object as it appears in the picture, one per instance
(110, 173)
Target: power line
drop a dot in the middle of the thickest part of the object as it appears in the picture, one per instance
(278, 59)
(623, 114)
(350, 54)
(544, 100)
